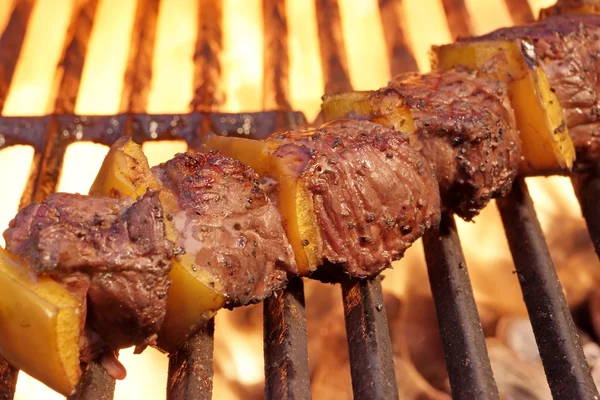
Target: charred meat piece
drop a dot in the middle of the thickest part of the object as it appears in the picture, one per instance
(229, 226)
(462, 124)
(373, 195)
(465, 129)
(114, 251)
(568, 47)
(571, 7)
(354, 195)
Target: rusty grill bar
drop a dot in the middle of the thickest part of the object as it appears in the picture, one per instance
(286, 357)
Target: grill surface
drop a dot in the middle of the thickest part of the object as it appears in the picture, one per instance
(286, 358)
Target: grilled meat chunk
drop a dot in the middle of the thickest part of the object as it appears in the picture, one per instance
(568, 47)
(571, 7)
(373, 194)
(354, 195)
(112, 251)
(229, 226)
(465, 128)
(462, 124)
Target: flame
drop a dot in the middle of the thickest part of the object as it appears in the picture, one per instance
(306, 77)
(173, 65)
(364, 44)
(435, 33)
(34, 75)
(238, 345)
(105, 61)
(242, 42)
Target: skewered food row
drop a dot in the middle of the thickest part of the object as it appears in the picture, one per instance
(91, 274)
(462, 124)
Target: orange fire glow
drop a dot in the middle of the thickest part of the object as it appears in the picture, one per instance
(238, 353)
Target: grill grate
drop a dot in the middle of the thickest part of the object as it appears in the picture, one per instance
(286, 357)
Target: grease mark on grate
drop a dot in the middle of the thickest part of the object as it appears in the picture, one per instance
(467, 360)
(566, 368)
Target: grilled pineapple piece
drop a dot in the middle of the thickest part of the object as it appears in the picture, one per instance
(547, 146)
(41, 324)
(294, 201)
(190, 299)
(386, 108)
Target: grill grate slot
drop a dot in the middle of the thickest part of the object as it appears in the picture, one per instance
(564, 362)
(467, 359)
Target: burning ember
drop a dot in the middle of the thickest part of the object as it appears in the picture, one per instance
(188, 62)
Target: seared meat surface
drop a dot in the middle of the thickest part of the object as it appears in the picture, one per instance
(114, 251)
(568, 49)
(465, 129)
(229, 225)
(373, 193)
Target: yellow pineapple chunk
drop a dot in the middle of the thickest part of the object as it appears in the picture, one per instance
(547, 146)
(383, 108)
(190, 299)
(294, 200)
(40, 324)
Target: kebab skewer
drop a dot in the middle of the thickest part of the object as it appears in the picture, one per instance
(305, 164)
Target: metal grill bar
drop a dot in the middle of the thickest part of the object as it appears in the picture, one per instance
(399, 53)
(276, 79)
(369, 345)
(286, 351)
(564, 362)
(285, 344)
(11, 42)
(95, 384)
(467, 359)
(520, 11)
(587, 188)
(70, 67)
(138, 75)
(8, 380)
(459, 20)
(191, 367)
(334, 62)
(207, 57)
